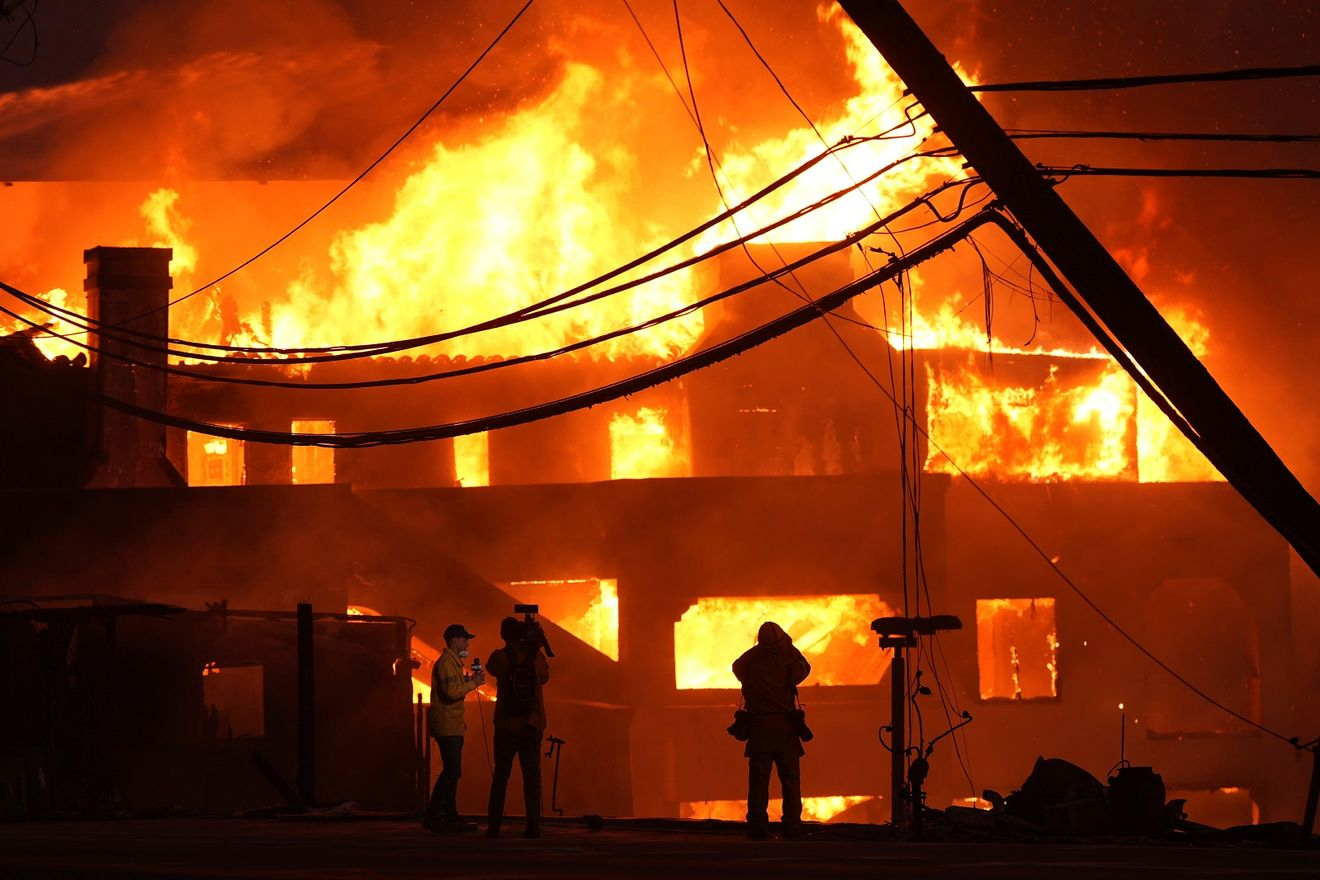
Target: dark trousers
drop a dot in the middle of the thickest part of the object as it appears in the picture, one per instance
(786, 759)
(444, 797)
(526, 745)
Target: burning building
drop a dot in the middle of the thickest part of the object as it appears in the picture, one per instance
(657, 531)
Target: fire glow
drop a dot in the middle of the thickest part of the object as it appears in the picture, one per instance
(1090, 424)
(1017, 648)
(833, 633)
(588, 608)
(814, 809)
(643, 446)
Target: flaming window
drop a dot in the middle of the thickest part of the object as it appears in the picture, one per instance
(313, 464)
(1076, 422)
(646, 444)
(472, 459)
(833, 633)
(588, 608)
(215, 461)
(234, 698)
(1016, 648)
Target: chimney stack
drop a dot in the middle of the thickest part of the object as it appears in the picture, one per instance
(128, 289)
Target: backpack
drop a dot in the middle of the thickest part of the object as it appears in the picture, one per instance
(520, 695)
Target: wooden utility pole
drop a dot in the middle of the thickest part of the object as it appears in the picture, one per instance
(1230, 441)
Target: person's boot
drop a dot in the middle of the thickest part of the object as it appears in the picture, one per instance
(532, 831)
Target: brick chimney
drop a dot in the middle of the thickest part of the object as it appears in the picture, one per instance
(129, 289)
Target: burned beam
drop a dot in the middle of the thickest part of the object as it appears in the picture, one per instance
(1216, 424)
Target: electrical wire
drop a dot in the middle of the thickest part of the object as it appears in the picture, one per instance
(360, 176)
(713, 354)
(1131, 82)
(489, 365)
(1026, 134)
(1294, 741)
(1081, 170)
(548, 305)
(28, 21)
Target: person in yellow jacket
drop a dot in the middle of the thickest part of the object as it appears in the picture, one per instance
(450, 686)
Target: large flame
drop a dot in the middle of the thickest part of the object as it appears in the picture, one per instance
(643, 445)
(537, 204)
(1102, 428)
(876, 105)
(545, 198)
(1012, 431)
(833, 633)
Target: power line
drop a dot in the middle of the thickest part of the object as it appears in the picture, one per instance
(1131, 82)
(664, 373)
(1023, 134)
(907, 414)
(485, 366)
(362, 174)
(1242, 173)
(536, 309)
(28, 21)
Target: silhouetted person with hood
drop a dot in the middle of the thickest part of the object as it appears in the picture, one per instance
(770, 672)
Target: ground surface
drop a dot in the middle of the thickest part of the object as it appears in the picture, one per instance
(328, 850)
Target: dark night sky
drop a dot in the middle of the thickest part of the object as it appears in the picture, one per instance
(1244, 251)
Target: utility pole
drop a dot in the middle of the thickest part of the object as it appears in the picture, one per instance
(905, 779)
(1231, 442)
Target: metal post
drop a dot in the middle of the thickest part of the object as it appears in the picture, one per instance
(1232, 443)
(897, 738)
(306, 708)
(422, 769)
(1312, 796)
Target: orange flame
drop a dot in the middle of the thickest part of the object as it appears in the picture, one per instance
(1017, 648)
(875, 106)
(814, 809)
(833, 633)
(642, 446)
(588, 608)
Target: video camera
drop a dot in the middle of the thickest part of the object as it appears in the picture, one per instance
(530, 634)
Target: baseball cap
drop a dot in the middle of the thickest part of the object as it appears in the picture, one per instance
(457, 631)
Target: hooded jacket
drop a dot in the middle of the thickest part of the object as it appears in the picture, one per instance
(770, 672)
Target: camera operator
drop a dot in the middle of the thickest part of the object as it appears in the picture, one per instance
(520, 669)
(449, 688)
